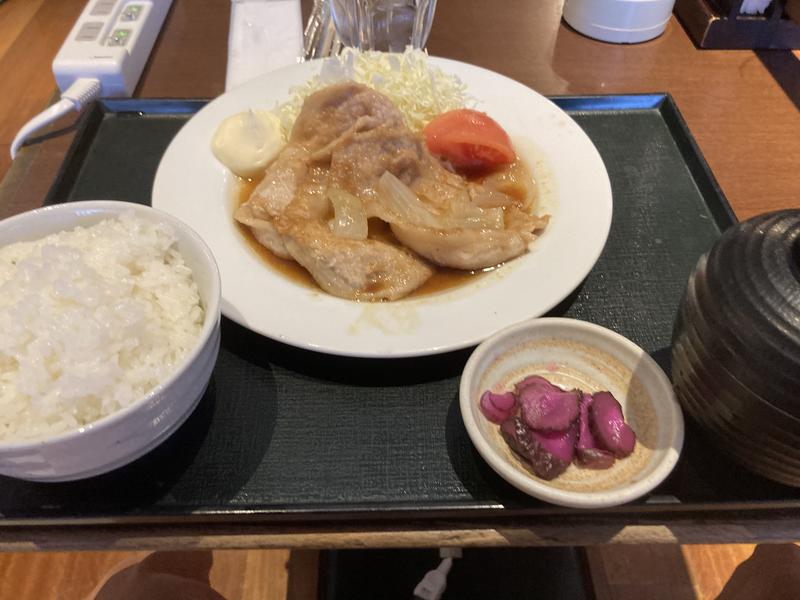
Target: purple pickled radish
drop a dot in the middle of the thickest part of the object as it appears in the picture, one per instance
(561, 444)
(608, 425)
(549, 454)
(548, 408)
(554, 452)
(534, 381)
(587, 453)
(498, 407)
(518, 437)
(585, 437)
(594, 458)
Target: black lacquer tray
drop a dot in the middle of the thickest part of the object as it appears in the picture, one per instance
(288, 434)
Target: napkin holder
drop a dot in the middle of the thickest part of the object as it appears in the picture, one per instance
(719, 24)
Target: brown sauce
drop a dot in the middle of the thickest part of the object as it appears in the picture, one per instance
(287, 268)
(444, 279)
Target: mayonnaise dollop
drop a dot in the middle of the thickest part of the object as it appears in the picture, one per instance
(246, 142)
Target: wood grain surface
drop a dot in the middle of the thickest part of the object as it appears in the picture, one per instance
(31, 32)
(233, 574)
(563, 530)
(654, 572)
(741, 106)
(702, 572)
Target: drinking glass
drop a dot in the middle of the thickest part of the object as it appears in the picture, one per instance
(387, 25)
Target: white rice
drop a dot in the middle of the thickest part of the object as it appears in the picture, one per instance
(90, 321)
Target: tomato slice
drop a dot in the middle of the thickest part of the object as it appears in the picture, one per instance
(469, 139)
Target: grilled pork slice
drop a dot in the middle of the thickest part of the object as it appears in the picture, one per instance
(355, 269)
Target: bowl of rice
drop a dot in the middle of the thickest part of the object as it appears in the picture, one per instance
(109, 332)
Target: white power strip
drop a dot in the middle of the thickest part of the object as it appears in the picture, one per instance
(110, 42)
(103, 55)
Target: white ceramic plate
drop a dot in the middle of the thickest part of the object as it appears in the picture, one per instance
(574, 188)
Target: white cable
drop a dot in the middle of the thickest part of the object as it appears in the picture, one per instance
(83, 90)
(434, 583)
(450, 552)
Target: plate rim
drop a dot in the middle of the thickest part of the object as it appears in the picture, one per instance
(441, 346)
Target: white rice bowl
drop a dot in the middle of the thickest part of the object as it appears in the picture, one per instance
(109, 330)
(91, 320)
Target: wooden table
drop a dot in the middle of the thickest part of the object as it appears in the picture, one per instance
(741, 106)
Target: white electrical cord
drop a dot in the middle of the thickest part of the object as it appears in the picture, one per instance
(434, 583)
(83, 90)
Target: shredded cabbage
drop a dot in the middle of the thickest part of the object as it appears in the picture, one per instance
(418, 89)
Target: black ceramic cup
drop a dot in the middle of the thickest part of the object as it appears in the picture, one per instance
(736, 345)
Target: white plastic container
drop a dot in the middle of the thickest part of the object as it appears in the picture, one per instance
(619, 21)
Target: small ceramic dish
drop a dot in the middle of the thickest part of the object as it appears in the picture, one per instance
(577, 354)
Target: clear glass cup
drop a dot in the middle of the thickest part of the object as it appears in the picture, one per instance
(387, 25)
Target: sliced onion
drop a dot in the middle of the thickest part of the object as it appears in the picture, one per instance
(486, 197)
(475, 217)
(404, 207)
(516, 182)
(349, 218)
(403, 203)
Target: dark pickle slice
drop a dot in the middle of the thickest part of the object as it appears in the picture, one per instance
(546, 407)
(608, 425)
(549, 454)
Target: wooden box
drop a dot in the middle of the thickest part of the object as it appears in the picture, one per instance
(718, 24)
